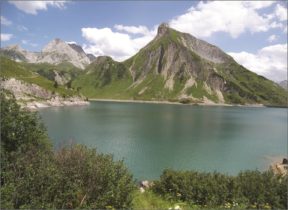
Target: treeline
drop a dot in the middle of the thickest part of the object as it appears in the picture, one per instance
(249, 189)
(34, 176)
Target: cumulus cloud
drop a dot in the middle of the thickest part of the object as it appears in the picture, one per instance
(118, 45)
(6, 37)
(270, 61)
(232, 17)
(5, 21)
(281, 12)
(132, 29)
(272, 38)
(32, 7)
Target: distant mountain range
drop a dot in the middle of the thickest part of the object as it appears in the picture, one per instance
(55, 52)
(174, 66)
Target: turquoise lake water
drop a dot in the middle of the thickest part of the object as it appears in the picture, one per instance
(152, 137)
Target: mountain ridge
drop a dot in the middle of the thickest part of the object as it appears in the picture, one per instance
(55, 52)
(174, 66)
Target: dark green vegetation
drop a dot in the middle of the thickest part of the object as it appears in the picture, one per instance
(105, 78)
(33, 176)
(246, 86)
(249, 189)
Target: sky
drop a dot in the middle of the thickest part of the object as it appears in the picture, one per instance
(254, 33)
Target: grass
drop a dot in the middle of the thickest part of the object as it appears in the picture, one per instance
(248, 87)
(12, 69)
(150, 200)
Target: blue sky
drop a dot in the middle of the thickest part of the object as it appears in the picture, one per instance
(254, 33)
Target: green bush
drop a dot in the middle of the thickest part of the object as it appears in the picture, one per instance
(251, 189)
(92, 180)
(34, 177)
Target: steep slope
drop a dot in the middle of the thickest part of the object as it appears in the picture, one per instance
(58, 51)
(15, 52)
(104, 78)
(12, 69)
(176, 65)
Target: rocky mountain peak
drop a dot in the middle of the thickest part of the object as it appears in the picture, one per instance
(14, 47)
(54, 45)
(162, 29)
(76, 47)
(58, 51)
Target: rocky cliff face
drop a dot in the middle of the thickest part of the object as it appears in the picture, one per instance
(32, 96)
(55, 52)
(58, 51)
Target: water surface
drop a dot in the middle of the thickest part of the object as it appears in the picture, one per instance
(152, 137)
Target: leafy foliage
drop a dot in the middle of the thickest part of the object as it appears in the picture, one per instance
(92, 180)
(251, 189)
(33, 176)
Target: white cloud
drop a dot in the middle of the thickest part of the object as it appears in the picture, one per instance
(71, 42)
(6, 37)
(32, 7)
(258, 4)
(232, 17)
(281, 12)
(5, 21)
(272, 38)
(270, 61)
(120, 46)
(132, 29)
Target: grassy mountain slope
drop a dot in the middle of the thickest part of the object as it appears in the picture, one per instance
(104, 78)
(20, 71)
(176, 66)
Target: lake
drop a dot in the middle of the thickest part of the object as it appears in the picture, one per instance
(152, 137)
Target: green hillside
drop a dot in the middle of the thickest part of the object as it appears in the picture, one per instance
(21, 71)
(146, 76)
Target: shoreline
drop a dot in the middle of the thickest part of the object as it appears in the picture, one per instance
(175, 103)
(55, 102)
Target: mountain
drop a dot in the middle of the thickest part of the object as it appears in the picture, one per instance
(55, 52)
(176, 66)
(15, 52)
(284, 84)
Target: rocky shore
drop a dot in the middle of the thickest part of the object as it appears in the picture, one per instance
(280, 168)
(32, 97)
(55, 102)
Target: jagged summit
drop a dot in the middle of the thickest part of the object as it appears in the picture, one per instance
(55, 52)
(162, 29)
(54, 45)
(14, 47)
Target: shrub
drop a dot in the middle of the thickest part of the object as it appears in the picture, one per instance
(252, 189)
(34, 177)
(92, 180)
